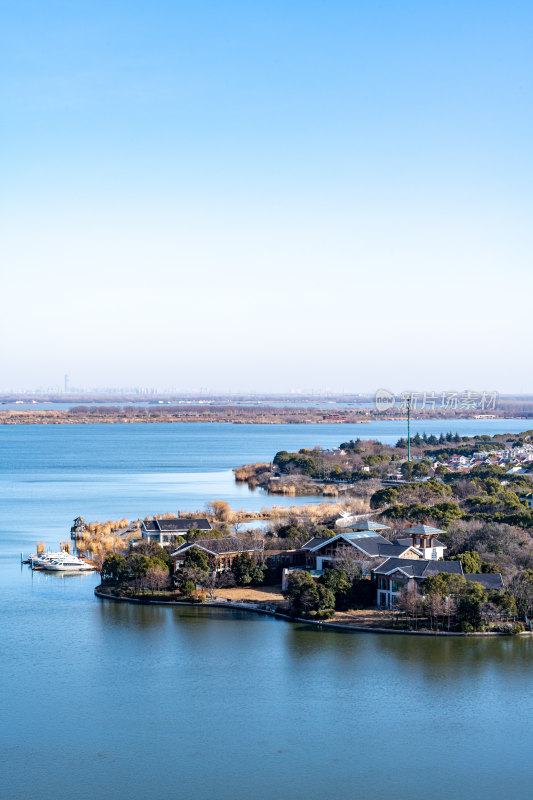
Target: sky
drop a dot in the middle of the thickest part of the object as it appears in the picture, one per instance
(266, 196)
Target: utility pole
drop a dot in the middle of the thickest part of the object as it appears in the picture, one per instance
(409, 429)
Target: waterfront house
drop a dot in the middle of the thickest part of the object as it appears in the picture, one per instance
(395, 574)
(361, 545)
(165, 530)
(220, 552)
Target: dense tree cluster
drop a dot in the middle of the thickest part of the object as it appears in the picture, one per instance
(336, 589)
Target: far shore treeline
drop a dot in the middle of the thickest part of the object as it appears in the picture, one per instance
(240, 414)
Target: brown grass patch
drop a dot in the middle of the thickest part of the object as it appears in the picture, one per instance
(255, 594)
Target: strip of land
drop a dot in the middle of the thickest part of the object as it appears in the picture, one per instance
(238, 414)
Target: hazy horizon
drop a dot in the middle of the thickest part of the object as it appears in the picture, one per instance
(256, 198)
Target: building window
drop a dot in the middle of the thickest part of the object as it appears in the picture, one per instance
(396, 586)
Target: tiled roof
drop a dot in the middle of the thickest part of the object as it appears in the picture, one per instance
(418, 569)
(221, 546)
(368, 543)
(422, 530)
(488, 580)
(314, 542)
(176, 525)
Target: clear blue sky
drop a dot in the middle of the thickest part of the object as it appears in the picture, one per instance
(267, 195)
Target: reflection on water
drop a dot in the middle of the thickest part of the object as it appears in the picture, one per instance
(134, 701)
(137, 686)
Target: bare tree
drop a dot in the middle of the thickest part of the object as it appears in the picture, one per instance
(435, 607)
(156, 578)
(216, 580)
(521, 589)
(353, 562)
(409, 601)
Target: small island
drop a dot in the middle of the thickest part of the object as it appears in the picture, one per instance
(439, 543)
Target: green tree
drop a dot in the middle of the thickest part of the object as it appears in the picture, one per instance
(444, 583)
(470, 561)
(196, 559)
(470, 604)
(337, 581)
(187, 588)
(246, 570)
(194, 534)
(407, 470)
(420, 470)
(307, 595)
(384, 497)
(138, 565)
(114, 568)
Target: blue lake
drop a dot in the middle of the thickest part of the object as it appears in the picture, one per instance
(134, 702)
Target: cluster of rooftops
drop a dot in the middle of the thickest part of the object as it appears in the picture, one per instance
(418, 554)
(415, 555)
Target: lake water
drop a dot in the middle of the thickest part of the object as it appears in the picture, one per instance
(132, 702)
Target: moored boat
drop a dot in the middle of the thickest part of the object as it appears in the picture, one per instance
(69, 564)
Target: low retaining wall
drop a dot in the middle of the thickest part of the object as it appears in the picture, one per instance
(317, 623)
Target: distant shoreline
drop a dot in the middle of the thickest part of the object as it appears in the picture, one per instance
(234, 415)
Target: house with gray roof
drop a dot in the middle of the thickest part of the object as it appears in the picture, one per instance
(165, 530)
(395, 574)
(393, 565)
(364, 546)
(220, 552)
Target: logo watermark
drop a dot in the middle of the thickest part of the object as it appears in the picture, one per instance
(467, 400)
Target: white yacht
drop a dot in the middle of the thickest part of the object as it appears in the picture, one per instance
(40, 559)
(68, 564)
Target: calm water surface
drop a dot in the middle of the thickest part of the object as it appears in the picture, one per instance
(116, 700)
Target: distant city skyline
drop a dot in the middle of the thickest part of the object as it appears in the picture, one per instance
(257, 197)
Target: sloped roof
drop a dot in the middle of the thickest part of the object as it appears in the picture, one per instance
(175, 525)
(488, 580)
(422, 530)
(418, 569)
(221, 546)
(368, 542)
(314, 542)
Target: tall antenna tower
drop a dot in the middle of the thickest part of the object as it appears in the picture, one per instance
(66, 384)
(408, 428)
